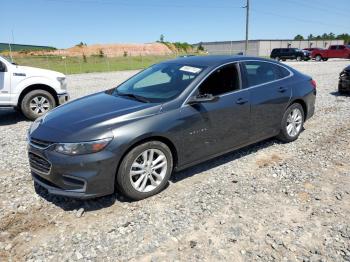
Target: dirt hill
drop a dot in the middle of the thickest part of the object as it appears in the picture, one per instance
(111, 50)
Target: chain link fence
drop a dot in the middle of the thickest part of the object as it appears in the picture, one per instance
(79, 65)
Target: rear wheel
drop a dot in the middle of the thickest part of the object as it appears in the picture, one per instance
(145, 170)
(37, 103)
(292, 123)
(299, 58)
(277, 58)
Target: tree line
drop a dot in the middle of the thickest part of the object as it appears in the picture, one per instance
(325, 36)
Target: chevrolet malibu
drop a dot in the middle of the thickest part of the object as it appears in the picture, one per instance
(166, 118)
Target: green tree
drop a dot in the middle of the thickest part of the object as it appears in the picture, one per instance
(298, 37)
(310, 37)
(200, 47)
(161, 38)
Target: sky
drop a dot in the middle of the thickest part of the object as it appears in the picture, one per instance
(64, 23)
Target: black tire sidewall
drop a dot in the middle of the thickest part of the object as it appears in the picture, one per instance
(123, 180)
(284, 136)
(25, 104)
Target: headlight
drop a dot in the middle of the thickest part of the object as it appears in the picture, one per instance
(63, 82)
(82, 148)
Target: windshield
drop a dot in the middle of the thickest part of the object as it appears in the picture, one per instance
(159, 83)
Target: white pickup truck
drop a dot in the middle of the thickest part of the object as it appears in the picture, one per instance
(30, 90)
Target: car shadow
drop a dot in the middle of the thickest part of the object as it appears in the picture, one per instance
(69, 204)
(10, 117)
(336, 93)
(220, 160)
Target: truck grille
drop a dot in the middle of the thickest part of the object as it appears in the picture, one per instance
(38, 163)
(40, 143)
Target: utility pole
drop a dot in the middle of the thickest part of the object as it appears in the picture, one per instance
(246, 28)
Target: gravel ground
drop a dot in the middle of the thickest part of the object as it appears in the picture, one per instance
(267, 202)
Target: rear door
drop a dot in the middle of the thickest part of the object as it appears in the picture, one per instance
(214, 127)
(5, 84)
(270, 94)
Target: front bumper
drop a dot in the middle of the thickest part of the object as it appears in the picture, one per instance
(84, 176)
(62, 98)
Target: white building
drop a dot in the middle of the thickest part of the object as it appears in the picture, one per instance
(263, 47)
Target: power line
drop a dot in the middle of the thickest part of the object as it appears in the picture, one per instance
(298, 19)
(316, 7)
(143, 4)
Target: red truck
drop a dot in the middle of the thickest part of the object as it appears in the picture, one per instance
(334, 51)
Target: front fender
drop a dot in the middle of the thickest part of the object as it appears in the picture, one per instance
(23, 84)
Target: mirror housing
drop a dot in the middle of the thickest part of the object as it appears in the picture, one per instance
(205, 98)
(2, 67)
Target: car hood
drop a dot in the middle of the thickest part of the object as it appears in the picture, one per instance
(33, 71)
(90, 118)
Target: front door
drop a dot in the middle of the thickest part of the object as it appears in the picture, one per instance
(214, 127)
(4, 85)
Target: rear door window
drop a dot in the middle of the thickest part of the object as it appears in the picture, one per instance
(258, 72)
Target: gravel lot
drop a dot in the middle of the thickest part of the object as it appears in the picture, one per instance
(267, 202)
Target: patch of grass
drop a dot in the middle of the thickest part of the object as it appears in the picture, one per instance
(77, 65)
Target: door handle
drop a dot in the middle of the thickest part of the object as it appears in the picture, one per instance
(241, 101)
(282, 89)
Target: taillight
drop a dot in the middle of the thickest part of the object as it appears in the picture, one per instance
(313, 83)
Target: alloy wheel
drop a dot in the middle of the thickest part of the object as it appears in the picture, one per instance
(294, 122)
(148, 170)
(40, 105)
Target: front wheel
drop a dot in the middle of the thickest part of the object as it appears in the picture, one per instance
(37, 103)
(318, 58)
(292, 123)
(145, 170)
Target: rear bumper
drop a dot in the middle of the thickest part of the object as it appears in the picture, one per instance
(63, 98)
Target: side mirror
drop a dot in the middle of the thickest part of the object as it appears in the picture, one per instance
(2, 67)
(205, 98)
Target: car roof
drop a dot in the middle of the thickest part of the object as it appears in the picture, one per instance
(213, 60)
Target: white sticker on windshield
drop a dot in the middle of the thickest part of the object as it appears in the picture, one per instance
(191, 69)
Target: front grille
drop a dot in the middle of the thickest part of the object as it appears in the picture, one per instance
(39, 164)
(40, 143)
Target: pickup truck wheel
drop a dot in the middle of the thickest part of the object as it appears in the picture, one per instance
(318, 58)
(37, 103)
(299, 58)
(277, 58)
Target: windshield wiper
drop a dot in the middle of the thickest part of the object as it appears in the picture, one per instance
(137, 97)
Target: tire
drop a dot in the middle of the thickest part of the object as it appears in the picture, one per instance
(286, 134)
(318, 58)
(37, 103)
(277, 58)
(299, 58)
(139, 186)
(325, 59)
